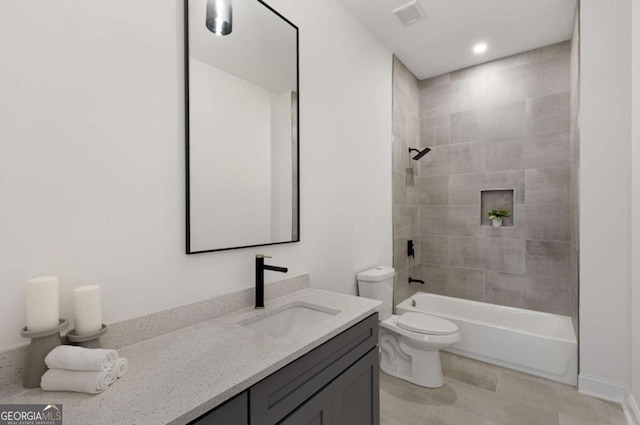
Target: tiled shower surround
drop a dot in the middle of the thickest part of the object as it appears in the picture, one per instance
(503, 125)
(406, 133)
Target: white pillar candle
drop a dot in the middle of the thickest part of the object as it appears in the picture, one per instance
(42, 303)
(88, 309)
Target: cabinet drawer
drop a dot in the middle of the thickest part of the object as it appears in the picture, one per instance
(232, 412)
(279, 394)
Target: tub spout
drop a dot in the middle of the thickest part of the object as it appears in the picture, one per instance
(421, 282)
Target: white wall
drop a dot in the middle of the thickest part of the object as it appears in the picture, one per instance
(226, 152)
(635, 218)
(605, 203)
(92, 156)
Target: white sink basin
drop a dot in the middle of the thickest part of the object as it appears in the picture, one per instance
(289, 321)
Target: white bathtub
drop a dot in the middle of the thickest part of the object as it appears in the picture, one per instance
(537, 343)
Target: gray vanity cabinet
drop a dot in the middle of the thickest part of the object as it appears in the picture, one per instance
(232, 412)
(335, 384)
(351, 399)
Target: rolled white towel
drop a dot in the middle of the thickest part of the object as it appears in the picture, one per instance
(90, 382)
(121, 367)
(79, 358)
(110, 377)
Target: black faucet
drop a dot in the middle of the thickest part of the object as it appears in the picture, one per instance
(260, 268)
(411, 280)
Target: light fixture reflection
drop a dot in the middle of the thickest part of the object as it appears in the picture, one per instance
(219, 15)
(480, 48)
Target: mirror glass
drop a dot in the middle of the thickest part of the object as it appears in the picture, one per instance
(242, 129)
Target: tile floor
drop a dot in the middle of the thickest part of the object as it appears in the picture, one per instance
(477, 393)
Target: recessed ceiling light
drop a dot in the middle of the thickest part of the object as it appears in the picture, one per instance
(480, 48)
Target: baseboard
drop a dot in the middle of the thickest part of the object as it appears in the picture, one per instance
(631, 410)
(601, 388)
(612, 391)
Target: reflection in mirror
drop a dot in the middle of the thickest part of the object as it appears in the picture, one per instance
(219, 15)
(242, 128)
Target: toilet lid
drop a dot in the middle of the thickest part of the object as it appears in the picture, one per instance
(426, 324)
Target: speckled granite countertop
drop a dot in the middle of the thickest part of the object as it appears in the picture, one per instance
(177, 377)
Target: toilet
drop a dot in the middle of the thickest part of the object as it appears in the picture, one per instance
(410, 344)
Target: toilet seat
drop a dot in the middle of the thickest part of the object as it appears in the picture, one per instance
(417, 339)
(426, 324)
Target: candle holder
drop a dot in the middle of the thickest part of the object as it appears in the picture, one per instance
(91, 340)
(42, 342)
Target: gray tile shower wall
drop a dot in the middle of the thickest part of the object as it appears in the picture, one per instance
(406, 181)
(506, 124)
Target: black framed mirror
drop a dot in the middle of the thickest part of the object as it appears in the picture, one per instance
(241, 119)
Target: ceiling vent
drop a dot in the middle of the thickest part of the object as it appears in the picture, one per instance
(410, 13)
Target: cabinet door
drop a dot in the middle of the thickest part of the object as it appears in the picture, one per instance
(356, 393)
(353, 398)
(232, 412)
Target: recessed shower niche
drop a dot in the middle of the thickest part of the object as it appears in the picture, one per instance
(497, 199)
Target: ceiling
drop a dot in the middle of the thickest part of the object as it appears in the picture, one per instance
(443, 41)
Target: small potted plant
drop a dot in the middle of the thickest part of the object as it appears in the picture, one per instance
(496, 216)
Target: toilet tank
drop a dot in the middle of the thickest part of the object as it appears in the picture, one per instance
(377, 284)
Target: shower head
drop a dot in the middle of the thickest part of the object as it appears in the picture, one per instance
(420, 153)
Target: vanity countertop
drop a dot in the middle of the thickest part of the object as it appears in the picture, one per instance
(177, 377)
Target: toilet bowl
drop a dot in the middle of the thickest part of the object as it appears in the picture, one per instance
(414, 355)
(410, 344)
